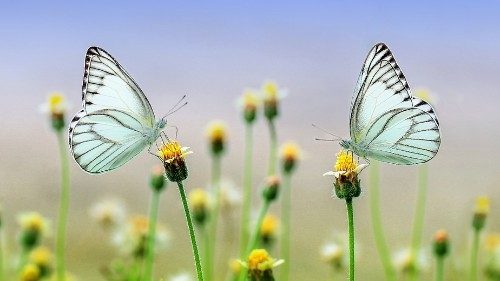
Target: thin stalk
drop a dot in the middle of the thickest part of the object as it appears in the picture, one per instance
(1, 255)
(473, 256)
(440, 269)
(378, 231)
(214, 218)
(192, 235)
(350, 217)
(254, 238)
(247, 190)
(63, 208)
(273, 150)
(206, 247)
(285, 233)
(153, 217)
(418, 221)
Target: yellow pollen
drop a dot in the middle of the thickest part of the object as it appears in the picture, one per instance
(235, 266)
(171, 150)
(33, 222)
(41, 256)
(482, 205)
(250, 99)
(56, 101)
(269, 225)
(260, 260)
(345, 161)
(30, 273)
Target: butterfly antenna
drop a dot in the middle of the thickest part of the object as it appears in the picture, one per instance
(180, 104)
(335, 137)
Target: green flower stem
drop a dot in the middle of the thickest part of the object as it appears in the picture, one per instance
(63, 208)
(1, 255)
(440, 269)
(378, 231)
(285, 233)
(254, 238)
(273, 150)
(192, 235)
(247, 190)
(153, 217)
(206, 247)
(418, 221)
(214, 218)
(473, 256)
(350, 217)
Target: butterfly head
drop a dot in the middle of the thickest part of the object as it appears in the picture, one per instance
(346, 144)
(160, 125)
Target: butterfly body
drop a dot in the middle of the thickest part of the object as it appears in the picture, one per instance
(116, 121)
(387, 123)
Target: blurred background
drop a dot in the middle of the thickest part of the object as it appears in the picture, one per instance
(212, 51)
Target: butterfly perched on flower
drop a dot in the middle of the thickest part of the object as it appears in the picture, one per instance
(116, 122)
(387, 123)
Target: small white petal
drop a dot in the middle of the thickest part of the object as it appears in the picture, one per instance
(329, 173)
(360, 168)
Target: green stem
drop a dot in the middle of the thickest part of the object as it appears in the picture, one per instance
(473, 256)
(63, 208)
(153, 217)
(206, 248)
(350, 216)
(214, 218)
(418, 222)
(285, 233)
(192, 235)
(378, 231)
(1, 255)
(273, 150)
(254, 238)
(440, 269)
(247, 190)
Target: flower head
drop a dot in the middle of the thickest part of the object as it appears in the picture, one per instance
(108, 213)
(268, 228)
(217, 136)
(56, 107)
(426, 95)
(481, 211)
(441, 243)
(133, 237)
(334, 255)
(271, 189)
(272, 95)
(157, 180)
(290, 154)
(172, 154)
(235, 266)
(405, 262)
(199, 204)
(260, 265)
(33, 227)
(30, 272)
(345, 171)
(42, 258)
(249, 103)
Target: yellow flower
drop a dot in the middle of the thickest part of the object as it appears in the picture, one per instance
(55, 105)
(259, 260)
(482, 205)
(33, 221)
(492, 242)
(41, 256)
(249, 103)
(217, 136)
(290, 153)
(426, 96)
(172, 154)
(30, 272)
(345, 171)
(269, 226)
(272, 95)
(198, 198)
(235, 266)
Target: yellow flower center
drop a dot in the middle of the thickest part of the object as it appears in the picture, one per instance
(250, 99)
(270, 90)
(345, 161)
(30, 273)
(41, 256)
(56, 102)
(198, 199)
(171, 150)
(269, 225)
(139, 225)
(235, 266)
(216, 131)
(260, 260)
(34, 222)
(482, 205)
(290, 151)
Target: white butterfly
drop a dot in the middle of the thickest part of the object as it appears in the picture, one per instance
(387, 123)
(116, 121)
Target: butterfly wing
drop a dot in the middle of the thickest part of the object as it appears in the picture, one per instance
(115, 122)
(386, 122)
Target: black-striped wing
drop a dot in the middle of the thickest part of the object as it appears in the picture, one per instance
(386, 121)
